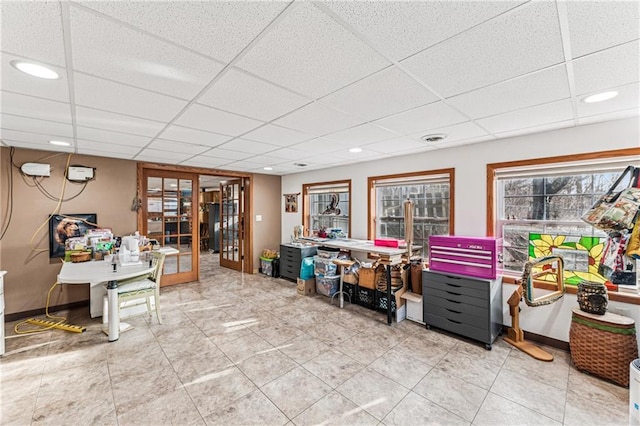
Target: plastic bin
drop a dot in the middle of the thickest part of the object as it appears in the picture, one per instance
(327, 286)
(266, 266)
(324, 266)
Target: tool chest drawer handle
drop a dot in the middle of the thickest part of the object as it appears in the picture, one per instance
(454, 321)
(455, 312)
(455, 294)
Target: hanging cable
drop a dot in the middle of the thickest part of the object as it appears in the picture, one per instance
(53, 197)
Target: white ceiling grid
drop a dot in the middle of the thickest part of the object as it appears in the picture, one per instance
(241, 85)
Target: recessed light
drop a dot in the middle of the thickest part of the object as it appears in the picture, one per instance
(435, 137)
(35, 70)
(599, 97)
(355, 150)
(174, 185)
(268, 168)
(59, 143)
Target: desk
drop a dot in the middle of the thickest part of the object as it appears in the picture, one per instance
(97, 272)
(368, 246)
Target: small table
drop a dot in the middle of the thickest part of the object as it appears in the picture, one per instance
(97, 272)
(603, 345)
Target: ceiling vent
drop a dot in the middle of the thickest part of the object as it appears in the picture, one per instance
(300, 164)
(436, 137)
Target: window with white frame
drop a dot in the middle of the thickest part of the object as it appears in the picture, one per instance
(430, 193)
(539, 209)
(327, 207)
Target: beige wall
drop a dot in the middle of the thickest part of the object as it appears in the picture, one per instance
(266, 202)
(30, 273)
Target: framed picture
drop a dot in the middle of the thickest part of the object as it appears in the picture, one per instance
(291, 203)
(65, 226)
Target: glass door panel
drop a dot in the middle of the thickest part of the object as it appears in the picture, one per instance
(232, 210)
(169, 220)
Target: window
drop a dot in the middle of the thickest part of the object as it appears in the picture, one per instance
(432, 196)
(327, 207)
(538, 209)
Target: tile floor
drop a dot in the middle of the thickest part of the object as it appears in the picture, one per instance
(239, 349)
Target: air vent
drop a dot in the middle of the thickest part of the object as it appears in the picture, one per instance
(300, 164)
(436, 137)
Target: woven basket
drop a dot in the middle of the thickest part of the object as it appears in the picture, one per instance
(603, 348)
(592, 297)
(396, 278)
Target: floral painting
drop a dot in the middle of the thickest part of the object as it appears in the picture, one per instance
(581, 255)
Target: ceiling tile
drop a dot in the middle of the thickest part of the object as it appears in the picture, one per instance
(34, 30)
(106, 147)
(318, 144)
(536, 129)
(52, 128)
(387, 92)
(37, 145)
(242, 166)
(185, 134)
(250, 147)
(517, 43)
(529, 117)
(533, 89)
(244, 94)
(628, 97)
(597, 25)
(318, 119)
(208, 162)
(89, 117)
(277, 135)
(172, 146)
(464, 141)
(271, 160)
(360, 135)
(99, 135)
(110, 50)
(288, 154)
(454, 133)
(430, 116)
(402, 144)
(399, 28)
(33, 86)
(28, 106)
(307, 52)
(214, 120)
(219, 29)
(156, 155)
(107, 95)
(98, 153)
(225, 154)
(30, 137)
(608, 68)
(617, 115)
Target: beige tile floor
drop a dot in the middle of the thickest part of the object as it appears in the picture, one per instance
(239, 349)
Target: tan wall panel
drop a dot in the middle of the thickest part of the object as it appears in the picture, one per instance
(31, 273)
(266, 202)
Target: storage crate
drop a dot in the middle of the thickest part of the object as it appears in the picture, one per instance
(324, 266)
(266, 266)
(327, 285)
(328, 252)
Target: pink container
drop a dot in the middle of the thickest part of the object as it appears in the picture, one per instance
(479, 257)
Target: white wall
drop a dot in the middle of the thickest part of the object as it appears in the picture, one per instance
(470, 163)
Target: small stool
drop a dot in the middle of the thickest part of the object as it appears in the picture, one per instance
(603, 345)
(342, 264)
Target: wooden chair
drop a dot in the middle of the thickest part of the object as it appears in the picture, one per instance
(143, 288)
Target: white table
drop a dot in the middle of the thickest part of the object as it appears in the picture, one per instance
(96, 273)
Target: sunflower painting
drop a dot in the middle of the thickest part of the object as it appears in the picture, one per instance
(581, 255)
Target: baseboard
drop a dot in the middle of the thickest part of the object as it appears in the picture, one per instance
(42, 311)
(543, 340)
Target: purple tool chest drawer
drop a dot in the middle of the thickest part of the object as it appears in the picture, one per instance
(479, 257)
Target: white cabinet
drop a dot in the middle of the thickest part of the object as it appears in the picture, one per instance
(2, 273)
(414, 306)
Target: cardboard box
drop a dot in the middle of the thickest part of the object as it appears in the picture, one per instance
(306, 287)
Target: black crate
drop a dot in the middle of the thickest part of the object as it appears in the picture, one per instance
(365, 297)
(350, 289)
(381, 304)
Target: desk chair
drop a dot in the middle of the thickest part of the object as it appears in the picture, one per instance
(142, 288)
(342, 264)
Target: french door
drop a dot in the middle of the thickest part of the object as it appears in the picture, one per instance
(232, 206)
(168, 205)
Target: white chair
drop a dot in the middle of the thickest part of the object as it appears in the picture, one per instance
(141, 289)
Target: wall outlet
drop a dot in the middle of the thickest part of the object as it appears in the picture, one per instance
(258, 218)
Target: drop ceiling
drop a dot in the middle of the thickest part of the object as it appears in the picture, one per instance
(243, 85)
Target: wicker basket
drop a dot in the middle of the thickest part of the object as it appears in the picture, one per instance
(396, 277)
(81, 257)
(603, 345)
